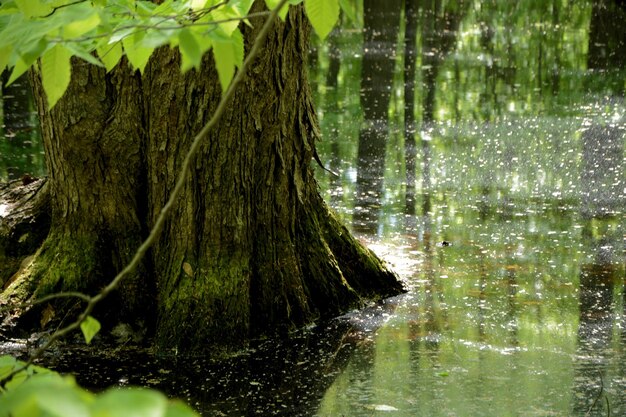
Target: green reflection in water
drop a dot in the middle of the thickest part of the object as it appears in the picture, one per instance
(21, 149)
(520, 165)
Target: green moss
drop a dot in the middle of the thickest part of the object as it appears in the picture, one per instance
(201, 304)
(67, 263)
(363, 270)
(20, 289)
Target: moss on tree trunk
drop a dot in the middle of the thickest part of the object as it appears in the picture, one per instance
(250, 247)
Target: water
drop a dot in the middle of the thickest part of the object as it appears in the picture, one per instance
(517, 165)
(21, 150)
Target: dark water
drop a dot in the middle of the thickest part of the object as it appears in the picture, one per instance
(485, 163)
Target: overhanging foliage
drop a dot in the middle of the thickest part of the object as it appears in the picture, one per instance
(102, 31)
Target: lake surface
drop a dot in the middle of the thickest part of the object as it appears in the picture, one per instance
(485, 164)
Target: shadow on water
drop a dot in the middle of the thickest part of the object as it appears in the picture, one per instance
(273, 377)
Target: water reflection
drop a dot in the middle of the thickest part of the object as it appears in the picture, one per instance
(603, 167)
(21, 151)
(381, 25)
(519, 162)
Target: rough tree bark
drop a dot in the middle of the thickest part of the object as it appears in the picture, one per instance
(250, 246)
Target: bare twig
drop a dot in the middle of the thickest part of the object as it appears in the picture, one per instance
(54, 9)
(588, 413)
(182, 177)
(68, 294)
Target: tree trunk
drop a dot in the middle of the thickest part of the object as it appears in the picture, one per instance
(24, 224)
(249, 248)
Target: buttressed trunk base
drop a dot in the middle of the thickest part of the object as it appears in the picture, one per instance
(249, 248)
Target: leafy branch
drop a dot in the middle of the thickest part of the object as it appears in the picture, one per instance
(595, 401)
(157, 27)
(53, 32)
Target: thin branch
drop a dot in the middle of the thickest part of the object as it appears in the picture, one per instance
(182, 177)
(187, 16)
(203, 12)
(157, 26)
(68, 294)
(189, 12)
(588, 413)
(62, 6)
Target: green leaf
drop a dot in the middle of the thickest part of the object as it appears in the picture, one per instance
(33, 8)
(349, 8)
(55, 73)
(63, 401)
(137, 54)
(271, 4)
(153, 38)
(8, 7)
(20, 68)
(5, 54)
(27, 59)
(190, 50)
(243, 6)
(79, 50)
(17, 380)
(110, 55)
(45, 394)
(120, 32)
(90, 328)
(228, 16)
(26, 408)
(7, 364)
(224, 55)
(145, 7)
(179, 409)
(323, 15)
(197, 4)
(132, 402)
(78, 28)
(228, 53)
(237, 40)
